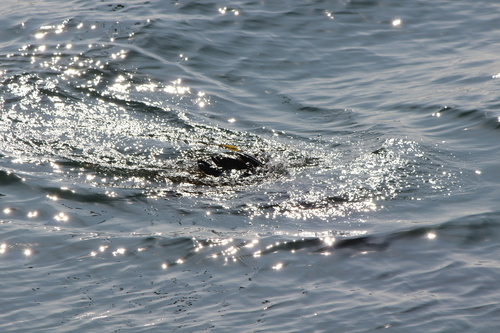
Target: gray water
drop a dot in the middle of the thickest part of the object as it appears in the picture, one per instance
(376, 209)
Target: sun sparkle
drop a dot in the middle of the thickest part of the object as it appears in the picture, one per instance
(396, 22)
(278, 266)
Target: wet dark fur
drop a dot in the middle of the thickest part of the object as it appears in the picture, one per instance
(225, 163)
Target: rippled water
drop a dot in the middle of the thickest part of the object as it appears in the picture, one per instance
(376, 208)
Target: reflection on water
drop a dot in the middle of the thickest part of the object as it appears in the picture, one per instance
(108, 221)
(85, 111)
(260, 251)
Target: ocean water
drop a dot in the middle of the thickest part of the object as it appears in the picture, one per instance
(377, 207)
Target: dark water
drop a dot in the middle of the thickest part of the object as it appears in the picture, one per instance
(376, 209)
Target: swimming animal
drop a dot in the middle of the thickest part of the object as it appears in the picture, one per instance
(225, 163)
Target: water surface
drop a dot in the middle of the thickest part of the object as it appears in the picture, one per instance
(377, 122)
